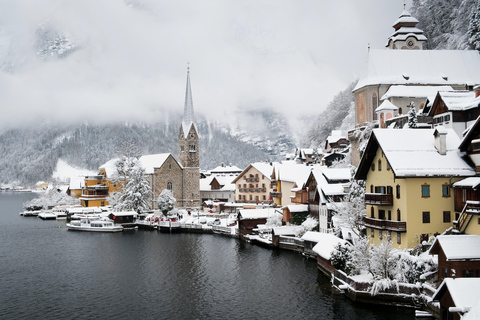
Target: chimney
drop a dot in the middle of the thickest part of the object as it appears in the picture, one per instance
(440, 135)
(477, 90)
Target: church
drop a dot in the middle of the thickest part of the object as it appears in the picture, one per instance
(163, 171)
(182, 177)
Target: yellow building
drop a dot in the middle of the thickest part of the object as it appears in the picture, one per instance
(283, 179)
(409, 174)
(96, 189)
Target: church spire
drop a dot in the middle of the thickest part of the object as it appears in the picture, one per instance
(188, 115)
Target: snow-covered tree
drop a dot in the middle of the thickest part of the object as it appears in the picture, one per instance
(342, 259)
(136, 193)
(51, 198)
(474, 27)
(349, 213)
(166, 201)
(383, 261)
(412, 116)
(308, 225)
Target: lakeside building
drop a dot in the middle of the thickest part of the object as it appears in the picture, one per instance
(409, 174)
(254, 185)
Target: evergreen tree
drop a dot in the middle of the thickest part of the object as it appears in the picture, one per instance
(136, 193)
(474, 27)
(412, 116)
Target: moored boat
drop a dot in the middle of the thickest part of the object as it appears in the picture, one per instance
(93, 225)
(47, 215)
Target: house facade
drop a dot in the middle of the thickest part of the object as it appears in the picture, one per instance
(254, 184)
(409, 175)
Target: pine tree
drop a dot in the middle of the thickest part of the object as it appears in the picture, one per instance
(137, 192)
(474, 27)
(412, 116)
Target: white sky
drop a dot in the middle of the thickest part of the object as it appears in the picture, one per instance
(289, 55)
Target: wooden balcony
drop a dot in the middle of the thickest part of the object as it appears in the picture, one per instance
(380, 224)
(251, 179)
(276, 194)
(379, 199)
(254, 190)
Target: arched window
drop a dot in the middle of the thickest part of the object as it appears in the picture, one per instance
(400, 110)
(374, 105)
(170, 186)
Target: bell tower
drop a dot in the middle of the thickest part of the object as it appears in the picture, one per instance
(189, 156)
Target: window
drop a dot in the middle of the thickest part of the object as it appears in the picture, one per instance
(400, 110)
(388, 166)
(239, 186)
(399, 238)
(464, 195)
(374, 105)
(251, 197)
(398, 191)
(170, 166)
(446, 216)
(182, 149)
(244, 185)
(478, 220)
(381, 214)
(399, 216)
(425, 191)
(389, 190)
(264, 197)
(445, 190)
(192, 148)
(170, 186)
(373, 166)
(469, 273)
(371, 188)
(379, 165)
(372, 212)
(426, 216)
(389, 215)
(102, 204)
(263, 185)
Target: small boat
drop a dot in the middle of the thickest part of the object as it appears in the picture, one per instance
(93, 225)
(30, 213)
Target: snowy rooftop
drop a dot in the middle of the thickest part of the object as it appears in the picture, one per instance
(386, 105)
(457, 247)
(77, 183)
(312, 236)
(110, 167)
(421, 67)
(326, 244)
(337, 174)
(332, 189)
(411, 152)
(149, 162)
(471, 182)
(464, 291)
(259, 213)
(287, 230)
(297, 207)
(403, 91)
(459, 100)
(292, 172)
(226, 169)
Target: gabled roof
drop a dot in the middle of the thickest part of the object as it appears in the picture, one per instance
(421, 67)
(226, 169)
(149, 162)
(386, 105)
(457, 247)
(470, 182)
(110, 167)
(292, 172)
(412, 153)
(264, 168)
(464, 291)
(470, 134)
(456, 101)
(402, 91)
(326, 245)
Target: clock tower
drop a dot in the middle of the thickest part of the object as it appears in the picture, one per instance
(406, 35)
(189, 156)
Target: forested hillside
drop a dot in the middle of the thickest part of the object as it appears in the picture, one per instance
(31, 154)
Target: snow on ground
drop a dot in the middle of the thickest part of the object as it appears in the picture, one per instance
(64, 171)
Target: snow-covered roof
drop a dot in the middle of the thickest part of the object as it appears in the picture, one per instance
(223, 180)
(297, 207)
(474, 313)
(248, 214)
(421, 67)
(332, 189)
(149, 162)
(459, 100)
(471, 182)
(226, 169)
(457, 247)
(386, 105)
(110, 167)
(287, 230)
(326, 244)
(292, 172)
(337, 174)
(77, 183)
(265, 169)
(403, 91)
(312, 236)
(412, 152)
(464, 291)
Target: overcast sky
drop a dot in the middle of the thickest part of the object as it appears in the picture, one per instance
(130, 63)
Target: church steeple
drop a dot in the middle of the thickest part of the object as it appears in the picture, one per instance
(188, 115)
(188, 137)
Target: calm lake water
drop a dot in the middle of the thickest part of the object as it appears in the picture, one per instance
(48, 272)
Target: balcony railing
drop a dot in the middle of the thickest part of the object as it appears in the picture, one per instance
(379, 199)
(276, 194)
(397, 226)
(247, 190)
(252, 179)
(273, 183)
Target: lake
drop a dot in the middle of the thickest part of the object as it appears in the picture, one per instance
(48, 272)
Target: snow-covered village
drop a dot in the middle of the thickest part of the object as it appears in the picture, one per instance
(375, 198)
